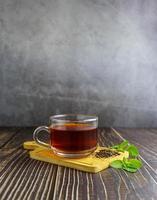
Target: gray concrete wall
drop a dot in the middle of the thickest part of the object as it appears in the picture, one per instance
(78, 56)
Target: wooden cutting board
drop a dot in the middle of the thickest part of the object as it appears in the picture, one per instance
(94, 163)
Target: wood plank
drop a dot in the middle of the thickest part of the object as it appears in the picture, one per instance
(145, 177)
(145, 137)
(21, 135)
(145, 140)
(24, 178)
(6, 134)
(11, 140)
(148, 171)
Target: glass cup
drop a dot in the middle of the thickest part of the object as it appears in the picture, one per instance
(71, 135)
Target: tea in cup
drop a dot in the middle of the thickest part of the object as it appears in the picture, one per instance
(71, 135)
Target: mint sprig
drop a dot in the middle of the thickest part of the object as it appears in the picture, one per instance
(131, 164)
(126, 146)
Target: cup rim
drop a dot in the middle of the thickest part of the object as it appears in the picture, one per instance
(87, 118)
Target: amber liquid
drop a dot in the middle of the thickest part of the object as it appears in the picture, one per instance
(73, 137)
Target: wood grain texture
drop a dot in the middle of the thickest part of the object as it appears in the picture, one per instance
(6, 135)
(24, 178)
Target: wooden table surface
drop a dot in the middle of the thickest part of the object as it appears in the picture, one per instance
(24, 178)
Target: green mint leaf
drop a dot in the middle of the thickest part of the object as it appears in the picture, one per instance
(133, 151)
(115, 147)
(130, 165)
(124, 162)
(116, 164)
(130, 169)
(124, 144)
(121, 150)
(134, 163)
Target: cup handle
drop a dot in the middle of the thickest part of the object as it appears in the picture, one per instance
(36, 133)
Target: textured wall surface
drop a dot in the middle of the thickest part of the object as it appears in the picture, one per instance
(78, 56)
